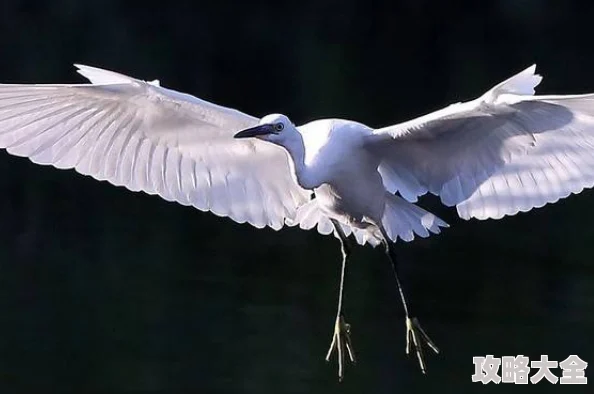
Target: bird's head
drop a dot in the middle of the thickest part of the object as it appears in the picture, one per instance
(275, 128)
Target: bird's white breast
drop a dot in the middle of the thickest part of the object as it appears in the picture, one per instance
(331, 147)
(340, 169)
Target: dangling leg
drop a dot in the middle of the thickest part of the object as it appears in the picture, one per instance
(414, 333)
(341, 341)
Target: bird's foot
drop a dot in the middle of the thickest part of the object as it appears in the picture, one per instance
(341, 342)
(415, 335)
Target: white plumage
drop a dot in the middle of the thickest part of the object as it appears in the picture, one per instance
(505, 152)
(149, 138)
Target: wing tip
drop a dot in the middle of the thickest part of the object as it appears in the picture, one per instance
(99, 76)
(522, 83)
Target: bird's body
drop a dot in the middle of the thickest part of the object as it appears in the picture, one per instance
(334, 160)
(505, 152)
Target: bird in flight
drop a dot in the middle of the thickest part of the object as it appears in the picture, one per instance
(505, 152)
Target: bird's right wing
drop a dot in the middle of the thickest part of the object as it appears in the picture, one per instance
(145, 137)
(505, 152)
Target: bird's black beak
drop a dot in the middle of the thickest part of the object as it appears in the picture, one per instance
(262, 129)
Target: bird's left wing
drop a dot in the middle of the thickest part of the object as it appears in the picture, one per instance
(505, 152)
(144, 137)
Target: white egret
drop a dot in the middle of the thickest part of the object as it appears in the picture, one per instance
(504, 152)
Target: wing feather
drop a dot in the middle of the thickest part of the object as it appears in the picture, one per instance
(145, 137)
(505, 152)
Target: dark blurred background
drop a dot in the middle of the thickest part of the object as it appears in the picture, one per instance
(104, 290)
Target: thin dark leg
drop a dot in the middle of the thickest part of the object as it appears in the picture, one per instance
(341, 340)
(415, 334)
(392, 257)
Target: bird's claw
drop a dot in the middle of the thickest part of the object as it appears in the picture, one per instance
(341, 342)
(414, 336)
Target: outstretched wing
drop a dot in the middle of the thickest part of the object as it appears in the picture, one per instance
(505, 152)
(144, 137)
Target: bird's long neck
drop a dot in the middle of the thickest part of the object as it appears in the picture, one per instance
(296, 149)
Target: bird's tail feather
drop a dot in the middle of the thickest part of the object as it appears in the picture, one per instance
(404, 220)
(309, 215)
(401, 219)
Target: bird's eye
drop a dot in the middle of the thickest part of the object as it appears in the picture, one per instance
(279, 127)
